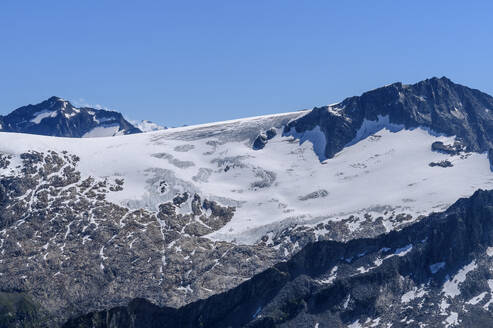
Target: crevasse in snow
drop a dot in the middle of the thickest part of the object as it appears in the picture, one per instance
(387, 167)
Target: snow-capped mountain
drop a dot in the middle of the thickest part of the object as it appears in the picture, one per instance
(58, 117)
(147, 126)
(323, 218)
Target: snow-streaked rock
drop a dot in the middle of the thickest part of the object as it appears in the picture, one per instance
(58, 117)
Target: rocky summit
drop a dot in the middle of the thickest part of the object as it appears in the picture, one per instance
(58, 117)
(373, 212)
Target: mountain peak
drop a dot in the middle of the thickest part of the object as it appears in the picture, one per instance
(437, 104)
(52, 103)
(437, 81)
(147, 126)
(55, 98)
(443, 79)
(56, 116)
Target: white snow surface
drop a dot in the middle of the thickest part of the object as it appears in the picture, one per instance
(476, 299)
(109, 130)
(451, 286)
(285, 182)
(146, 126)
(413, 294)
(39, 116)
(452, 319)
(355, 324)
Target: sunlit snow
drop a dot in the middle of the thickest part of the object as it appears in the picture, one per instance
(103, 131)
(282, 183)
(38, 117)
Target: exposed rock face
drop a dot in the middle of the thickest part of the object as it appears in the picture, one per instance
(454, 149)
(414, 277)
(437, 104)
(441, 164)
(263, 137)
(68, 251)
(18, 310)
(58, 117)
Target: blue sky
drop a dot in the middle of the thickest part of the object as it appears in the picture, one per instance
(188, 62)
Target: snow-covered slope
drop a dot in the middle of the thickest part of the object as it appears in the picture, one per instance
(147, 126)
(385, 174)
(181, 214)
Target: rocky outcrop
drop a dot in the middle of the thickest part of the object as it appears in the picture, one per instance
(434, 273)
(441, 164)
(263, 138)
(58, 117)
(68, 250)
(437, 104)
(453, 149)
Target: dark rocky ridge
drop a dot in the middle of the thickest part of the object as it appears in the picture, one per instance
(66, 121)
(437, 103)
(388, 279)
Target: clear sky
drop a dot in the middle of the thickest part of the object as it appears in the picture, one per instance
(187, 62)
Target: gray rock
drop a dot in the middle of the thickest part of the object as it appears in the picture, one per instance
(444, 163)
(70, 251)
(403, 278)
(437, 104)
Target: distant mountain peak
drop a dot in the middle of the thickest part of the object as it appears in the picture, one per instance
(442, 79)
(55, 98)
(56, 116)
(147, 126)
(55, 102)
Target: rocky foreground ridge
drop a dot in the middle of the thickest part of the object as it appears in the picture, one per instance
(436, 272)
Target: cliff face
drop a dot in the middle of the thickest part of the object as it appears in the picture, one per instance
(432, 272)
(438, 104)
